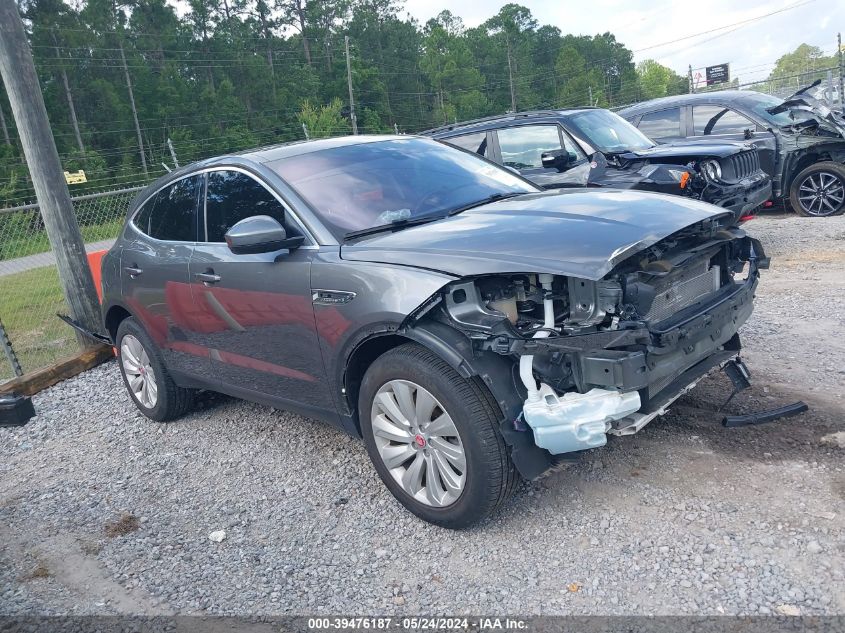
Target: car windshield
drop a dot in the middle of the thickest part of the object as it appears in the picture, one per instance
(609, 132)
(760, 103)
(364, 185)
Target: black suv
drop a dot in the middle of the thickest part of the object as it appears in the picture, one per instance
(800, 141)
(597, 148)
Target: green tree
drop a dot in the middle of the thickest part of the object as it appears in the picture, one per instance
(449, 66)
(323, 121)
(804, 59)
(656, 80)
(578, 85)
(222, 75)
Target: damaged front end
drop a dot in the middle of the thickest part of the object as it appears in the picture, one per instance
(811, 112)
(730, 178)
(597, 358)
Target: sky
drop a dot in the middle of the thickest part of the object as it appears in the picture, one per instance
(751, 49)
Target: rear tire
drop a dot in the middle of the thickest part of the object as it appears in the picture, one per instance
(819, 190)
(456, 469)
(146, 378)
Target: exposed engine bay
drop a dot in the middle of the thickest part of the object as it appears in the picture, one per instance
(599, 357)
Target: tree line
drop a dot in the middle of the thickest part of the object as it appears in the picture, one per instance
(121, 77)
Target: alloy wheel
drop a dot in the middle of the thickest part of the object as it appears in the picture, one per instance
(139, 372)
(821, 193)
(419, 443)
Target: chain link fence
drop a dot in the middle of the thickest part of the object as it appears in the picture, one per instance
(30, 294)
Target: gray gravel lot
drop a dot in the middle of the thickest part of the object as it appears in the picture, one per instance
(103, 511)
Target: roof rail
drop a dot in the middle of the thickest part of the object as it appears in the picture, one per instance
(494, 117)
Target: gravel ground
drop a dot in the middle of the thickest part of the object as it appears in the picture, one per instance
(102, 511)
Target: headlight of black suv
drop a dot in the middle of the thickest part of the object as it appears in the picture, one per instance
(711, 169)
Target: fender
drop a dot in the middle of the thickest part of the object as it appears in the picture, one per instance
(451, 345)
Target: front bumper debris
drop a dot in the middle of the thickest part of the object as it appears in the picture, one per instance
(761, 417)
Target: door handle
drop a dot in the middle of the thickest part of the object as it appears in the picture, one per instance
(207, 277)
(133, 270)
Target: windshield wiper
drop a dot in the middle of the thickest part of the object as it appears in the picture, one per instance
(494, 198)
(390, 226)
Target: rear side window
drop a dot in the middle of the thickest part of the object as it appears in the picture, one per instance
(171, 215)
(476, 143)
(662, 125)
(232, 196)
(714, 119)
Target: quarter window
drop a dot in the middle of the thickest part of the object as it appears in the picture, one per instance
(714, 119)
(476, 143)
(662, 125)
(232, 196)
(171, 215)
(522, 147)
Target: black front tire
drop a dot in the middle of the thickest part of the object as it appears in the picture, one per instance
(808, 178)
(172, 401)
(490, 474)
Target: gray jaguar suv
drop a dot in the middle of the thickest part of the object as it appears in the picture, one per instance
(469, 326)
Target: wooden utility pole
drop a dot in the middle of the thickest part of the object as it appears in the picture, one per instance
(510, 74)
(349, 83)
(69, 97)
(134, 111)
(39, 148)
(4, 126)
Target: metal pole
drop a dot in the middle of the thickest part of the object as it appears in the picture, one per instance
(689, 76)
(828, 90)
(841, 71)
(39, 148)
(10, 353)
(349, 82)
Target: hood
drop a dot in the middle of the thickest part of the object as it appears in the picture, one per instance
(811, 100)
(686, 150)
(582, 233)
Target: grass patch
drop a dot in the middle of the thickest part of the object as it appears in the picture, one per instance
(34, 243)
(126, 524)
(29, 302)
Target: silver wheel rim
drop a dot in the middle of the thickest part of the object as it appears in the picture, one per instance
(419, 443)
(821, 193)
(138, 371)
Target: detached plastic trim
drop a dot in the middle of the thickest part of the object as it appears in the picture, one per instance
(732, 421)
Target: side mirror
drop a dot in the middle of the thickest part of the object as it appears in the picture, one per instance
(556, 159)
(260, 234)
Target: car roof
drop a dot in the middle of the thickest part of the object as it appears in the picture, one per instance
(259, 155)
(486, 123)
(715, 96)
